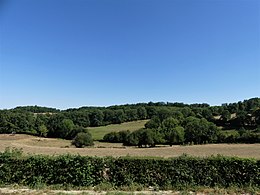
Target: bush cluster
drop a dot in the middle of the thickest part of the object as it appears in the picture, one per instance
(248, 137)
(168, 131)
(116, 137)
(83, 139)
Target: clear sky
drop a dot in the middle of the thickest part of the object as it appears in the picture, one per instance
(70, 53)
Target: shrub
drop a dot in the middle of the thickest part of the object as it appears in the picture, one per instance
(116, 137)
(126, 171)
(83, 139)
(143, 138)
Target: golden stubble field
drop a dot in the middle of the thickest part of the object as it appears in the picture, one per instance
(48, 146)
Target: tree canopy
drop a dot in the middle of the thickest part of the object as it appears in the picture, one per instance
(200, 122)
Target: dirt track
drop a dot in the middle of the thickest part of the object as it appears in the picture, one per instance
(26, 191)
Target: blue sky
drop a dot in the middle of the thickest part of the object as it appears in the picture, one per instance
(70, 53)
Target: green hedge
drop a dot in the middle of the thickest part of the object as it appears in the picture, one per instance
(164, 173)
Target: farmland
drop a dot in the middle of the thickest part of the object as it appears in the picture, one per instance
(50, 146)
(99, 132)
(156, 140)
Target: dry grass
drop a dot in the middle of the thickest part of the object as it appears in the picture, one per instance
(35, 145)
(199, 191)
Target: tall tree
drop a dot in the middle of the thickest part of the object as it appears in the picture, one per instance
(142, 113)
(175, 136)
(225, 116)
(43, 131)
(96, 118)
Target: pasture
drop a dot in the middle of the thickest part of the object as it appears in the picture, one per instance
(99, 132)
(50, 146)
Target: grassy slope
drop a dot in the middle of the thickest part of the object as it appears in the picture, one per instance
(99, 132)
(230, 132)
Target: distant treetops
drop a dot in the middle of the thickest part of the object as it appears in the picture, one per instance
(170, 123)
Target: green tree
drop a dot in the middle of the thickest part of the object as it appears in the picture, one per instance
(54, 125)
(207, 114)
(151, 111)
(164, 113)
(225, 116)
(83, 139)
(80, 118)
(154, 123)
(76, 129)
(109, 116)
(119, 117)
(4, 122)
(167, 126)
(112, 137)
(43, 131)
(131, 114)
(178, 115)
(186, 111)
(96, 118)
(146, 138)
(175, 136)
(192, 130)
(38, 122)
(200, 131)
(132, 139)
(142, 113)
(169, 123)
(67, 126)
(256, 115)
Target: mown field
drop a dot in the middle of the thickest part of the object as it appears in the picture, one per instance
(48, 146)
(99, 132)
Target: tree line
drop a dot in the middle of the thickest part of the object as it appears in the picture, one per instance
(167, 121)
(171, 131)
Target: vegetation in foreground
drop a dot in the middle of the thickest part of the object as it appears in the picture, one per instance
(116, 173)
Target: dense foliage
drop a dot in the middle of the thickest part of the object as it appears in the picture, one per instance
(83, 139)
(116, 137)
(163, 173)
(190, 130)
(174, 123)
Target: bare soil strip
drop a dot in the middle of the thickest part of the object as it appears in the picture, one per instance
(25, 191)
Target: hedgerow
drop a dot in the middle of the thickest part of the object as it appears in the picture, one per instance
(78, 170)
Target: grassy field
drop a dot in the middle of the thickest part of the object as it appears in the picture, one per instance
(99, 132)
(48, 146)
(230, 132)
